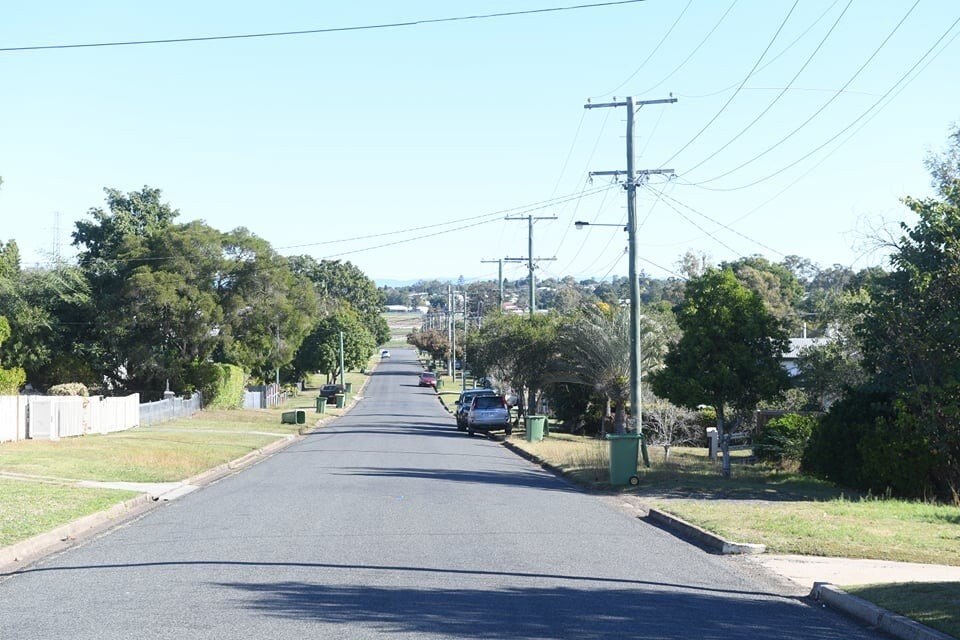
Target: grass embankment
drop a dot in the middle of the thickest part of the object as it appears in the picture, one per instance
(788, 512)
(30, 508)
(935, 604)
(38, 492)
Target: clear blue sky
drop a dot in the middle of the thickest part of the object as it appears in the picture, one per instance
(323, 138)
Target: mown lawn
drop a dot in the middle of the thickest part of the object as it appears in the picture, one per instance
(30, 508)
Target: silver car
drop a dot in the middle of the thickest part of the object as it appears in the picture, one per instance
(489, 413)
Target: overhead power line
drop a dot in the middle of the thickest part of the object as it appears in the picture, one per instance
(535, 206)
(691, 54)
(771, 60)
(718, 223)
(303, 32)
(824, 105)
(783, 91)
(708, 234)
(651, 54)
(850, 125)
(742, 83)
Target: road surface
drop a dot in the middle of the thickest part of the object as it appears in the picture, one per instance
(392, 524)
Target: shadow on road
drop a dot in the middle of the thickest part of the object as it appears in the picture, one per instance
(534, 479)
(538, 612)
(629, 582)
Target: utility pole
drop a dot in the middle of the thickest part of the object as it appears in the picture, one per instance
(450, 328)
(499, 281)
(532, 285)
(466, 327)
(278, 354)
(341, 360)
(631, 187)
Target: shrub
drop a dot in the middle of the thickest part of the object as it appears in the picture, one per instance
(11, 380)
(833, 451)
(69, 389)
(221, 384)
(784, 438)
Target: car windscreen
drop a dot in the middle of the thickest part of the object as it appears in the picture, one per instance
(488, 402)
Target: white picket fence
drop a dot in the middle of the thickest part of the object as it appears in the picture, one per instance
(55, 417)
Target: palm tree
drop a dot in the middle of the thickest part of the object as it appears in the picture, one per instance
(594, 350)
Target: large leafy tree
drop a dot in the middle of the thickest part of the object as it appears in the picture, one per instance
(516, 350)
(320, 350)
(776, 284)
(269, 309)
(337, 281)
(167, 297)
(729, 354)
(911, 345)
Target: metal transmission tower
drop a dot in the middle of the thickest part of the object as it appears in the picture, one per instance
(530, 259)
(632, 177)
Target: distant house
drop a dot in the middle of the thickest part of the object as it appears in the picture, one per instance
(790, 358)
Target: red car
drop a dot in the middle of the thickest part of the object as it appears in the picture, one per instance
(428, 379)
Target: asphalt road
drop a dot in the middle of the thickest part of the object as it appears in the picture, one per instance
(391, 523)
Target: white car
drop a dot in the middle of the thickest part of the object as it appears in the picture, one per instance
(384, 354)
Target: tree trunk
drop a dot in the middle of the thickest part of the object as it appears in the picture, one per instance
(619, 419)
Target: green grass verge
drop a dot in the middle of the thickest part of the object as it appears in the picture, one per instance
(30, 508)
(166, 452)
(860, 528)
(788, 512)
(935, 604)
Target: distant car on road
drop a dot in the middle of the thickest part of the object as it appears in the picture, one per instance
(330, 391)
(463, 405)
(384, 354)
(428, 379)
(489, 413)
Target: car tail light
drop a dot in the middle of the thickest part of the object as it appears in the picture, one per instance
(503, 401)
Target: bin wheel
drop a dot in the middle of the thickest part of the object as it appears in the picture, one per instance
(634, 481)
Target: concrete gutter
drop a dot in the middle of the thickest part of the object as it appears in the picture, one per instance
(702, 537)
(872, 615)
(21, 554)
(523, 453)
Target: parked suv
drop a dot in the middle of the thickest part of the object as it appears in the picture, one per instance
(489, 413)
(463, 405)
(329, 391)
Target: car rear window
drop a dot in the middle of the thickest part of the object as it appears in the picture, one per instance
(488, 402)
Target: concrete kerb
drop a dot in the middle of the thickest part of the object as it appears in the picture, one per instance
(870, 614)
(19, 555)
(702, 537)
(552, 468)
(705, 539)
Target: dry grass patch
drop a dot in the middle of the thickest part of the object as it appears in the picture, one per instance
(787, 511)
